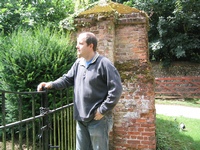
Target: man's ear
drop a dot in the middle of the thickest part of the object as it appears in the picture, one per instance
(91, 45)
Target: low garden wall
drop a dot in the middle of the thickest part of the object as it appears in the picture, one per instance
(181, 80)
(177, 69)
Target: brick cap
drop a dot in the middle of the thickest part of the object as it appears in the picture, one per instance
(110, 7)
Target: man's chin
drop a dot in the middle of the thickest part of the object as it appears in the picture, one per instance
(78, 55)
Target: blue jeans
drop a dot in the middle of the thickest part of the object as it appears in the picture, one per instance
(93, 135)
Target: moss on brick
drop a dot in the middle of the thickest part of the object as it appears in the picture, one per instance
(135, 71)
(110, 7)
(116, 11)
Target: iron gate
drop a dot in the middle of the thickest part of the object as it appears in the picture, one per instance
(50, 125)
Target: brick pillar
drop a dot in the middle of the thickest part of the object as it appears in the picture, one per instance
(123, 39)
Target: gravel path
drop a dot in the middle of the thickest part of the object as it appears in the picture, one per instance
(176, 110)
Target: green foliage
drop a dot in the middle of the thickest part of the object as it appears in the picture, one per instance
(174, 29)
(170, 136)
(30, 57)
(34, 56)
(79, 6)
(28, 14)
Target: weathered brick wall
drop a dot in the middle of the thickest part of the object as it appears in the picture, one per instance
(178, 81)
(123, 39)
(177, 69)
(136, 112)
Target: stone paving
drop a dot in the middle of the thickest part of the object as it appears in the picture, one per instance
(176, 110)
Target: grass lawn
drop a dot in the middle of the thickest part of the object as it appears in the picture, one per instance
(170, 137)
(185, 102)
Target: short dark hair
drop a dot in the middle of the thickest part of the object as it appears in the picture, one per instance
(91, 39)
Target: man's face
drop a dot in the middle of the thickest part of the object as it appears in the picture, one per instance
(83, 50)
(81, 46)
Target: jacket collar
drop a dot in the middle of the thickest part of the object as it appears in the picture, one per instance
(82, 60)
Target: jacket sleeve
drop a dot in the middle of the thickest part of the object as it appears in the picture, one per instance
(114, 87)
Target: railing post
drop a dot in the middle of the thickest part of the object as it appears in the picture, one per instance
(45, 122)
(3, 120)
(20, 119)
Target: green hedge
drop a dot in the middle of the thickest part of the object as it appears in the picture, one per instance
(29, 57)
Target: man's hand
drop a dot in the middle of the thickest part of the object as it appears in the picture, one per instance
(47, 85)
(98, 115)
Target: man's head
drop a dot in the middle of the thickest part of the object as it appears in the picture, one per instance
(90, 38)
(86, 45)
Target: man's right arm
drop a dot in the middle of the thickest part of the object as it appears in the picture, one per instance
(65, 81)
(42, 85)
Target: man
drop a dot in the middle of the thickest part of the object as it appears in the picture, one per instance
(97, 89)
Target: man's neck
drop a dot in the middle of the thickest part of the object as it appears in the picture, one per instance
(90, 56)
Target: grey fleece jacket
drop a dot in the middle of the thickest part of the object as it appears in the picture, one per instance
(97, 86)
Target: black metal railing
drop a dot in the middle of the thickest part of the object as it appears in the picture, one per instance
(37, 120)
